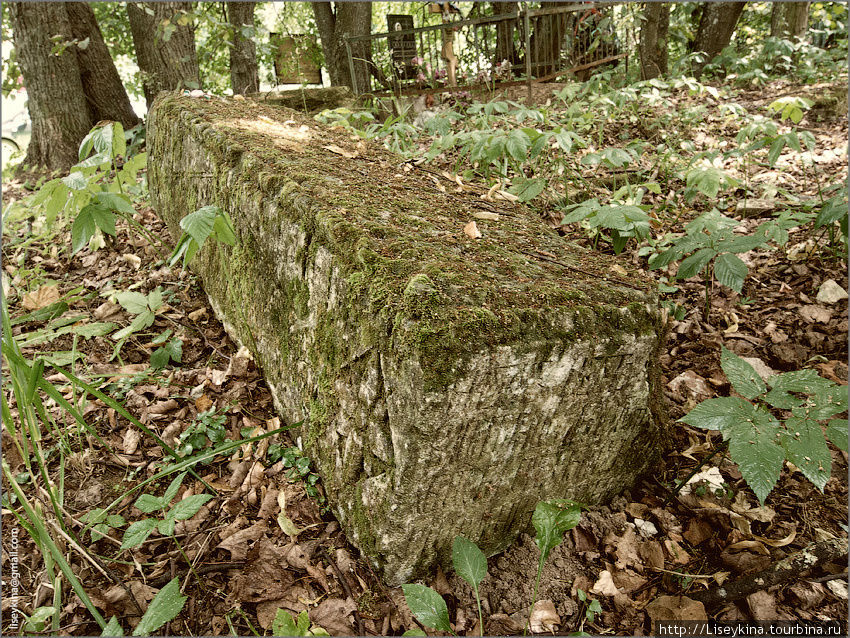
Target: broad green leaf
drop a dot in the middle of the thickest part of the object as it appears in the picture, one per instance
(87, 221)
(97, 329)
(140, 322)
(775, 150)
(693, 265)
(527, 189)
(743, 377)
(172, 489)
(428, 606)
(115, 201)
(223, 229)
(172, 351)
(730, 271)
(118, 145)
(154, 299)
(138, 533)
(148, 503)
(827, 402)
(741, 244)
(113, 628)
(551, 519)
(163, 608)
(719, 414)
(517, 144)
(801, 381)
(837, 433)
(199, 224)
(755, 447)
(469, 561)
(284, 624)
(188, 507)
(414, 632)
(133, 302)
(76, 181)
(833, 210)
(805, 446)
(166, 526)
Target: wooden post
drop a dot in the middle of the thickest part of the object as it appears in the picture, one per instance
(527, 23)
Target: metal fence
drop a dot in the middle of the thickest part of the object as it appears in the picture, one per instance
(462, 54)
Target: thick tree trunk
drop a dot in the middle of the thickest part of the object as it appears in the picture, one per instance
(244, 77)
(505, 49)
(165, 50)
(102, 85)
(789, 19)
(60, 115)
(352, 18)
(716, 26)
(653, 40)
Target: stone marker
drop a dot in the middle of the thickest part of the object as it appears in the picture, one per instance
(446, 383)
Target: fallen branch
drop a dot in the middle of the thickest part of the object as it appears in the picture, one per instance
(783, 571)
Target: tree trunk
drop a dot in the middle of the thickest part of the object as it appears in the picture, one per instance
(60, 115)
(102, 85)
(653, 40)
(244, 77)
(165, 50)
(505, 49)
(716, 26)
(789, 19)
(352, 18)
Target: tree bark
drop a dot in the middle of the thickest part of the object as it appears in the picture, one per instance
(165, 50)
(106, 95)
(653, 40)
(244, 77)
(789, 19)
(352, 18)
(716, 26)
(60, 115)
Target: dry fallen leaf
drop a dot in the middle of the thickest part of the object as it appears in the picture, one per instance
(675, 608)
(130, 444)
(333, 148)
(493, 217)
(471, 230)
(605, 586)
(41, 298)
(134, 260)
(203, 403)
(544, 617)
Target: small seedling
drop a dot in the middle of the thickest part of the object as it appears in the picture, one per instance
(207, 427)
(138, 532)
(285, 625)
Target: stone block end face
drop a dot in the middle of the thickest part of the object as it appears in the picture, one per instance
(445, 384)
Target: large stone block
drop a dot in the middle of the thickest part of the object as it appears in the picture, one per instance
(446, 384)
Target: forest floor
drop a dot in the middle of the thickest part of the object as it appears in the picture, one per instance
(644, 545)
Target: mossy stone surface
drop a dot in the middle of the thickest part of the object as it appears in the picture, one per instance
(445, 384)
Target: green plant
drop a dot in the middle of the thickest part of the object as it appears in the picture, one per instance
(97, 190)
(624, 221)
(138, 532)
(591, 608)
(710, 238)
(297, 467)
(759, 442)
(164, 608)
(206, 428)
(285, 625)
(551, 519)
(169, 350)
(207, 221)
(101, 522)
(429, 607)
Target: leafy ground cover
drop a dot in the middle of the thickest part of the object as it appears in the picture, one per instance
(746, 184)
